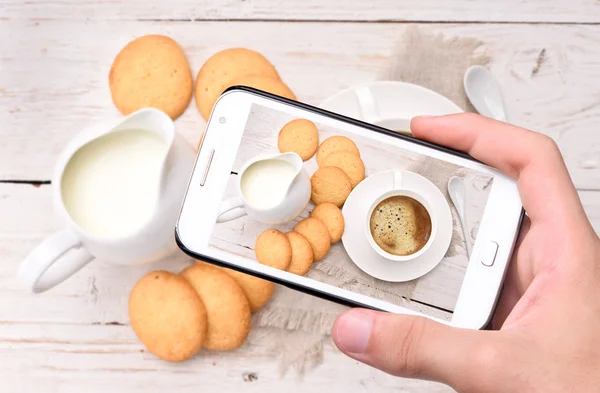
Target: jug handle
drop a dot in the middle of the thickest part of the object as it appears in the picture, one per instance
(37, 270)
(231, 209)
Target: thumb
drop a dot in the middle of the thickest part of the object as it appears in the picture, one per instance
(411, 346)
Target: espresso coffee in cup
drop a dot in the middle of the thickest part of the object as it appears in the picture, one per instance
(400, 225)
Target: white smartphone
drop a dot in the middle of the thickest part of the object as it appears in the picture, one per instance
(456, 281)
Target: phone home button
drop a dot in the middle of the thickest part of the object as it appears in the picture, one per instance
(488, 255)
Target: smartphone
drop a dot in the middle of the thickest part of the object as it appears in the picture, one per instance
(456, 280)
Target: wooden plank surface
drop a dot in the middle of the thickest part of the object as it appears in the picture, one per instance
(63, 357)
(555, 11)
(54, 63)
(43, 110)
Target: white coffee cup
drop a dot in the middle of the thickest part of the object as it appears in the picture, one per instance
(399, 190)
(65, 252)
(369, 112)
(293, 195)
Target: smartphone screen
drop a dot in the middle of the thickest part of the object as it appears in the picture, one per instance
(429, 284)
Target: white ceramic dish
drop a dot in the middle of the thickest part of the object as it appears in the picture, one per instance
(356, 242)
(389, 104)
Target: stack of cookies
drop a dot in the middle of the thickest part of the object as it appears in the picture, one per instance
(309, 242)
(175, 316)
(152, 71)
(340, 170)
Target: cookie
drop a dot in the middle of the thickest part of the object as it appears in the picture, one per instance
(227, 309)
(273, 249)
(168, 316)
(335, 143)
(349, 163)
(330, 184)
(302, 254)
(264, 83)
(257, 291)
(299, 136)
(222, 67)
(151, 71)
(333, 219)
(317, 235)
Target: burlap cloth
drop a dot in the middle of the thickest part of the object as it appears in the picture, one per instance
(294, 327)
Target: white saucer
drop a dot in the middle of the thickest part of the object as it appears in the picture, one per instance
(392, 100)
(355, 239)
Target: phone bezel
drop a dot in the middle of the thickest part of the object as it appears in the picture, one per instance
(470, 311)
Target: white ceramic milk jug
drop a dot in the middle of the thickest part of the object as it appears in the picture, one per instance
(118, 190)
(272, 189)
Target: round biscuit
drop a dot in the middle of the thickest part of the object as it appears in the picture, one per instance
(222, 67)
(151, 71)
(349, 163)
(299, 136)
(317, 235)
(273, 249)
(264, 83)
(167, 315)
(336, 143)
(257, 291)
(228, 311)
(302, 254)
(330, 184)
(333, 219)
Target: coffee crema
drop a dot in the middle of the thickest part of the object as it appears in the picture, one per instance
(400, 225)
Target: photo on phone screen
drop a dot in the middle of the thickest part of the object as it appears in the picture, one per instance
(435, 292)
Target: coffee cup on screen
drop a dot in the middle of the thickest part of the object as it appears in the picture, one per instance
(400, 224)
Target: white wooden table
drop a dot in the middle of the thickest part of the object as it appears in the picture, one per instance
(54, 63)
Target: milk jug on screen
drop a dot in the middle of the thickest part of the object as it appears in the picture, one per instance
(272, 189)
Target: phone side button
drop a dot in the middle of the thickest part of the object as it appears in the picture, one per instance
(207, 167)
(488, 255)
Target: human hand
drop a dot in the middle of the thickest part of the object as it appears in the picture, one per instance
(548, 314)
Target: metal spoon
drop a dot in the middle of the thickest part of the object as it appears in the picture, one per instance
(484, 92)
(457, 191)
